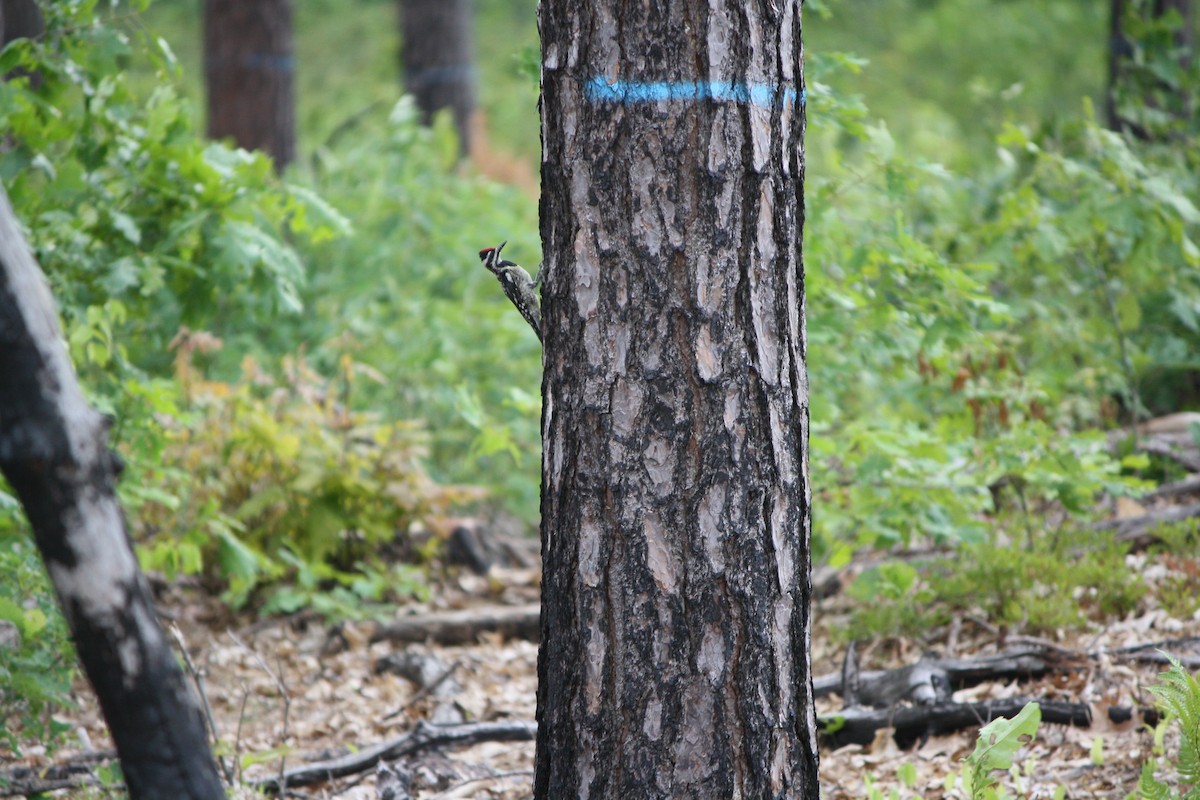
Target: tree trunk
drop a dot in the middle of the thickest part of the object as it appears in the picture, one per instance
(20, 19)
(1119, 50)
(438, 58)
(1122, 51)
(250, 72)
(53, 452)
(675, 496)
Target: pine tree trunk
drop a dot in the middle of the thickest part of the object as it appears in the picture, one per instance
(438, 58)
(675, 501)
(250, 72)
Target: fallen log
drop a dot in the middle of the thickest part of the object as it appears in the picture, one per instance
(932, 680)
(1183, 456)
(72, 772)
(422, 737)
(1186, 486)
(1139, 530)
(1160, 652)
(464, 627)
(918, 723)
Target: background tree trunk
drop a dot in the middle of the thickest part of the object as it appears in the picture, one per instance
(53, 452)
(20, 18)
(1121, 51)
(675, 497)
(438, 58)
(250, 73)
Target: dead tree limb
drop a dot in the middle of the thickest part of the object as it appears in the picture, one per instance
(931, 680)
(1139, 530)
(463, 627)
(1183, 456)
(72, 772)
(422, 737)
(914, 723)
(1179, 488)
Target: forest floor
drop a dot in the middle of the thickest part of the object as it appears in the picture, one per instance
(339, 702)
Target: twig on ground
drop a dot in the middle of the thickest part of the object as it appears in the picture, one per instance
(198, 680)
(425, 691)
(287, 705)
(448, 793)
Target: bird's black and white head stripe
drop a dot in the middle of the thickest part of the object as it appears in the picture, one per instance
(490, 256)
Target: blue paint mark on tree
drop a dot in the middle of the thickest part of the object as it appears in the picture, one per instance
(599, 90)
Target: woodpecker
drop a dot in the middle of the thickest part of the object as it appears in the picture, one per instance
(519, 288)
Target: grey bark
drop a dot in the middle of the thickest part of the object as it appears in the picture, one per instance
(53, 453)
(438, 59)
(674, 660)
(249, 71)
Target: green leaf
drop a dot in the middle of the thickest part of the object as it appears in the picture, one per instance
(125, 226)
(998, 742)
(1129, 311)
(236, 559)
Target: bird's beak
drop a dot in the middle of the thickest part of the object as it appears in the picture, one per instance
(501, 247)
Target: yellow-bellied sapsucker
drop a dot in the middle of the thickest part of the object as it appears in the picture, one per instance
(519, 288)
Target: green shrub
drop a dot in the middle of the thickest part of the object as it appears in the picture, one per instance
(1018, 587)
(36, 669)
(280, 477)
(140, 224)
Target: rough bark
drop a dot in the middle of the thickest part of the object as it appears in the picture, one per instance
(438, 59)
(249, 69)
(675, 498)
(53, 453)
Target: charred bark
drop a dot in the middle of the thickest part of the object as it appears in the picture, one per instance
(249, 69)
(53, 452)
(675, 496)
(438, 59)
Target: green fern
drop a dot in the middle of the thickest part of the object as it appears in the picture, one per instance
(1178, 696)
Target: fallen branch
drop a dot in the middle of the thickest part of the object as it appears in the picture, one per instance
(422, 737)
(72, 772)
(1189, 485)
(1183, 457)
(931, 680)
(1158, 652)
(464, 627)
(913, 723)
(1138, 530)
